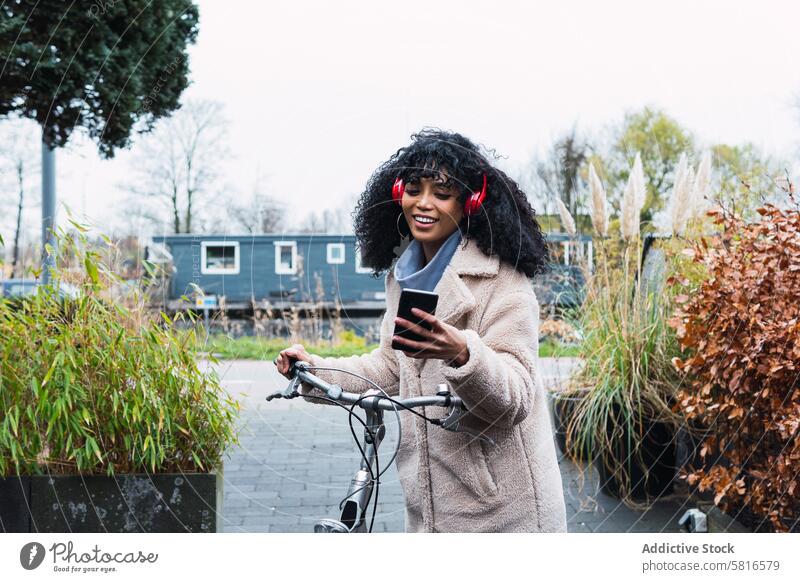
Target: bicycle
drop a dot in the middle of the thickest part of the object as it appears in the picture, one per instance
(354, 506)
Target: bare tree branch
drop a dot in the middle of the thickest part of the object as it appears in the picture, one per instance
(177, 166)
(18, 160)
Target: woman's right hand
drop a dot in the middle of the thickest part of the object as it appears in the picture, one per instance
(285, 358)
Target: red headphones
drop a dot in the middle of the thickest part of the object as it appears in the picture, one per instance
(471, 207)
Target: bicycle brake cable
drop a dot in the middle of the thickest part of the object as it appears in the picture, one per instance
(351, 413)
(374, 478)
(384, 396)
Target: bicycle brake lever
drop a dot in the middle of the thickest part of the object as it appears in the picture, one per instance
(289, 392)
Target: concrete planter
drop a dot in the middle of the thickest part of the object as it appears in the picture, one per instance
(156, 503)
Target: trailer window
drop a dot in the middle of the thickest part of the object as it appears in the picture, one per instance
(335, 253)
(219, 258)
(286, 258)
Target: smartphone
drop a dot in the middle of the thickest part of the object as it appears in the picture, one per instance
(410, 298)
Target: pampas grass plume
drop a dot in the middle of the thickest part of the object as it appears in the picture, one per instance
(599, 214)
(681, 195)
(566, 218)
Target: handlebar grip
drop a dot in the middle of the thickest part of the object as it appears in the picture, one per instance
(292, 362)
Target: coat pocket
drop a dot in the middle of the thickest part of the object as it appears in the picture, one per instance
(481, 470)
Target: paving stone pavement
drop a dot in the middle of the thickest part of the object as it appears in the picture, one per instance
(294, 466)
(295, 461)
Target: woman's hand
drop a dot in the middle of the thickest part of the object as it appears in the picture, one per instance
(298, 352)
(442, 341)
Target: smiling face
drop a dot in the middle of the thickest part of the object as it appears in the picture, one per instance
(432, 210)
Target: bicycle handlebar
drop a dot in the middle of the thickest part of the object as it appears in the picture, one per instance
(374, 403)
(367, 402)
(455, 406)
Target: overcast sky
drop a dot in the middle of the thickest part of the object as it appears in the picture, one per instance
(319, 93)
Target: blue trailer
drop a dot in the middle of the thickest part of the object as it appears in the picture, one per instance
(321, 270)
(280, 268)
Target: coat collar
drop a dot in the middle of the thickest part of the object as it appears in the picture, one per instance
(471, 260)
(455, 298)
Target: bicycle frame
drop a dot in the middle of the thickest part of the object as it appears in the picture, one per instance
(353, 517)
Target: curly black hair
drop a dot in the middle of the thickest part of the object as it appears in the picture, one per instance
(506, 225)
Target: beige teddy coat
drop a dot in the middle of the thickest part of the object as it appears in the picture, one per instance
(453, 482)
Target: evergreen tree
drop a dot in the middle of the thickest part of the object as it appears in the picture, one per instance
(107, 66)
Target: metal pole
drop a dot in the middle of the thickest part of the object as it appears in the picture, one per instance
(48, 209)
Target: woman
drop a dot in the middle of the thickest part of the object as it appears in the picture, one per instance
(475, 242)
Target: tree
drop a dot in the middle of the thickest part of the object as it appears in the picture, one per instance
(261, 214)
(102, 69)
(558, 175)
(660, 140)
(330, 220)
(105, 69)
(177, 165)
(745, 174)
(18, 160)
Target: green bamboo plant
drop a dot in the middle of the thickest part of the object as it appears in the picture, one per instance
(91, 386)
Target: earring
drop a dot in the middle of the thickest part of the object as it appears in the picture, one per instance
(465, 235)
(405, 240)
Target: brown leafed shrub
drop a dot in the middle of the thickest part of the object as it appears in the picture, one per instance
(741, 329)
